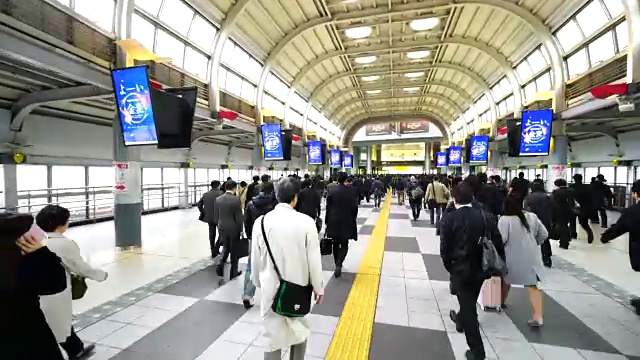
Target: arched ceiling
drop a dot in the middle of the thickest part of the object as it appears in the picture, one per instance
(473, 44)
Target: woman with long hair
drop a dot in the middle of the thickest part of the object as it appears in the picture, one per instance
(523, 233)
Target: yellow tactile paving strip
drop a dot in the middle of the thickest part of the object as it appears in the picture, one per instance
(352, 338)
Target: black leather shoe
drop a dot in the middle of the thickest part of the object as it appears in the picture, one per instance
(233, 276)
(337, 272)
(453, 315)
(469, 356)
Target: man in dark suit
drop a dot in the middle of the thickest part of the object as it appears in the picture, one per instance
(228, 215)
(309, 201)
(206, 207)
(341, 214)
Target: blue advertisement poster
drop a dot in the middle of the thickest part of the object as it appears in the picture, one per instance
(347, 162)
(455, 156)
(535, 137)
(131, 88)
(314, 152)
(479, 152)
(441, 159)
(272, 142)
(335, 158)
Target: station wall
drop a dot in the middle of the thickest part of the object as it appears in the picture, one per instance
(58, 141)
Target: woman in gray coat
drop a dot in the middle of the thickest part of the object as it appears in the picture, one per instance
(522, 233)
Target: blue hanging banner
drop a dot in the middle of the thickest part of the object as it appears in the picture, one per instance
(347, 161)
(455, 156)
(133, 101)
(479, 152)
(335, 158)
(441, 159)
(272, 142)
(314, 152)
(535, 138)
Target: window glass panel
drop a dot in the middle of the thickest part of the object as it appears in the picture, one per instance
(530, 91)
(543, 82)
(569, 35)
(577, 63)
(510, 103)
(65, 2)
(202, 33)
(248, 92)
(143, 31)
(222, 78)
(502, 108)
(31, 177)
(524, 71)
(233, 84)
(615, 7)
(68, 178)
(253, 70)
(196, 63)
(214, 174)
(98, 11)
(240, 58)
(497, 92)
(150, 6)
(537, 61)
(169, 47)
(601, 49)
(505, 85)
(102, 176)
(227, 52)
(622, 33)
(298, 103)
(591, 18)
(171, 181)
(177, 15)
(294, 117)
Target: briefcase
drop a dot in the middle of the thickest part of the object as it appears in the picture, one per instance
(326, 246)
(243, 247)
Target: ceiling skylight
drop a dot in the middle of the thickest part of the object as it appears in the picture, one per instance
(358, 32)
(424, 24)
(366, 59)
(419, 54)
(414, 74)
(370, 78)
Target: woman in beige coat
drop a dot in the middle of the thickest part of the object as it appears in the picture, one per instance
(57, 308)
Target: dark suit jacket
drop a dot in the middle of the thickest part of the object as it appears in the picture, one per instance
(228, 213)
(207, 203)
(309, 202)
(342, 211)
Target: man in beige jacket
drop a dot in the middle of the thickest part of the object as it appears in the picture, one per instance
(436, 198)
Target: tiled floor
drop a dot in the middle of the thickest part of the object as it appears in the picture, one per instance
(190, 314)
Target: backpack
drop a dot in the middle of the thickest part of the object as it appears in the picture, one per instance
(417, 192)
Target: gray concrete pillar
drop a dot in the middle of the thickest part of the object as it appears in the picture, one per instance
(558, 160)
(632, 13)
(427, 158)
(10, 190)
(369, 160)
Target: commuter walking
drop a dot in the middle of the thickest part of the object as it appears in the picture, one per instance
(285, 248)
(583, 195)
(206, 206)
(562, 211)
(401, 187)
(436, 197)
(309, 202)
(57, 308)
(415, 195)
(523, 233)
(228, 216)
(340, 219)
(601, 196)
(379, 190)
(539, 203)
(242, 194)
(462, 257)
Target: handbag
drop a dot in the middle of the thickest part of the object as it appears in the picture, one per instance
(318, 224)
(291, 300)
(326, 246)
(242, 248)
(433, 202)
(78, 286)
(492, 263)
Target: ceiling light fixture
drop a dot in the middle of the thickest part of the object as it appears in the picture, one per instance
(366, 59)
(414, 74)
(370, 78)
(358, 32)
(373, 92)
(424, 24)
(411, 89)
(418, 54)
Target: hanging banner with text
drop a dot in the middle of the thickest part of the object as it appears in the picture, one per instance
(379, 129)
(414, 127)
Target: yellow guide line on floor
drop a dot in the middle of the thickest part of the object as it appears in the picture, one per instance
(352, 338)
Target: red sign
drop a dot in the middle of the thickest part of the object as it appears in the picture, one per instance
(414, 127)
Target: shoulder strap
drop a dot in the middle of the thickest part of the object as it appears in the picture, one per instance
(266, 242)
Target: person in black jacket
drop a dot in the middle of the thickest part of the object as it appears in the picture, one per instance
(583, 194)
(461, 255)
(562, 211)
(264, 202)
(206, 206)
(309, 201)
(28, 269)
(601, 196)
(628, 223)
(539, 203)
(253, 189)
(340, 218)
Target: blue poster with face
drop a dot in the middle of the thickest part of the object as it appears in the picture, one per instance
(335, 158)
(347, 161)
(131, 88)
(441, 159)
(272, 142)
(535, 137)
(479, 151)
(455, 156)
(314, 152)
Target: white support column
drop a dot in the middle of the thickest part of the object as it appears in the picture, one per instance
(369, 161)
(632, 12)
(427, 158)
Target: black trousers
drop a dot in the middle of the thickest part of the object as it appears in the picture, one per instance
(416, 207)
(563, 232)
(583, 219)
(215, 246)
(228, 240)
(73, 345)
(340, 250)
(377, 200)
(603, 220)
(467, 291)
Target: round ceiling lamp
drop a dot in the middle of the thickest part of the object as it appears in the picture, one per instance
(370, 78)
(414, 74)
(419, 54)
(366, 59)
(424, 24)
(358, 32)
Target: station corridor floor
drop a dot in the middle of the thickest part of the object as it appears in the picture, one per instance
(391, 302)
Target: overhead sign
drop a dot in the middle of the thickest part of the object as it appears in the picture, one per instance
(455, 156)
(347, 161)
(314, 152)
(272, 141)
(479, 149)
(441, 159)
(535, 138)
(131, 88)
(335, 158)
(414, 127)
(379, 129)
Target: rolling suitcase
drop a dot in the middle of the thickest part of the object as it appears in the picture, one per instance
(490, 298)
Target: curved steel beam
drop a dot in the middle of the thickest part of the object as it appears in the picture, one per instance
(438, 97)
(402, 109)
(218, 44)
(367, 119)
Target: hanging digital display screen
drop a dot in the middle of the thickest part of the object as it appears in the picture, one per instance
(535, 136)
(133, 101)
(335, 158)
(314, 152)
(441, 159)
(455, 156)
(347, 161)
(272, 142)
(479, 149)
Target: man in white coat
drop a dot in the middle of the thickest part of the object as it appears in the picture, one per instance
(294, 242)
